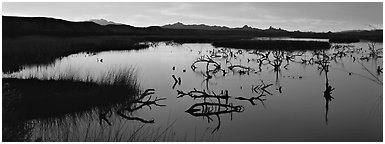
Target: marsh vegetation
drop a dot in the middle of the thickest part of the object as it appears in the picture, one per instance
(195, 92)
(79, 81)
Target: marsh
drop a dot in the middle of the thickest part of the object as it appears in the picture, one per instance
(192, 72)
(298, 95)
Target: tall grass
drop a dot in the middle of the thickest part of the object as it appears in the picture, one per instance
(67, 109)
(68, 93)
(63, 96)
(85, 129)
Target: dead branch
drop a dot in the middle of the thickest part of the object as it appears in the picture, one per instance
(134, 118)
(145, 93)
(147, 103)
(251, 100)
(207, 61)
(195, 94)
(142, 103)
(261, 88)
(242, 67)
(207, 109)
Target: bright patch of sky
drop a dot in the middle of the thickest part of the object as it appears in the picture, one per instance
(311, 16)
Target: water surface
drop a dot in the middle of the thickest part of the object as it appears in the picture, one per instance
(329, 97)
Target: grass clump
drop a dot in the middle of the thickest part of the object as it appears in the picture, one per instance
(25, 99)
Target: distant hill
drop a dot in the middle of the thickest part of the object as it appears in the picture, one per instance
(272, 29)
(374, 35)
(104, 22)
(14, 26)
(180, 25)
(22, 26)
(362, 32)
(247, 28)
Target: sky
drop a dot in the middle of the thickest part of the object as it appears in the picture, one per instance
(311, 16)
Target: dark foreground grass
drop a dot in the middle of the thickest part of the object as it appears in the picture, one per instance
(27, 99)
(83, 129)
(273, 44)
(67, 108)
(42, 49)
(36, 98)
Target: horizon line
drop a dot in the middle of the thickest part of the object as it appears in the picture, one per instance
(187, 24)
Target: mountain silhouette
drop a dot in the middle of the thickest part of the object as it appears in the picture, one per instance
(21, 26)
(104, 22)
(246, 27)
(272, 29)
(180, 25)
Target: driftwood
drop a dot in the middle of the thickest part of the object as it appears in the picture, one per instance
(196, 94)
(261, 54)
(261, 88)
(243, 69)
(142, 103)
(120, 113)
(207, 61)
(328, 97)
(379, 70)
(147, 103)
(251, 100)
(129, 109)
(207, 75)
(207, 109)
(176, 81)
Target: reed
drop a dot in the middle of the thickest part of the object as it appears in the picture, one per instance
(25, 99)
(87, 129)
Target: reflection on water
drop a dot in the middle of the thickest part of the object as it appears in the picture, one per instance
(238, 95)
(141, 103)
(290, 39)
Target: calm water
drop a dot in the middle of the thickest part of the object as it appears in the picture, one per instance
(294, 104)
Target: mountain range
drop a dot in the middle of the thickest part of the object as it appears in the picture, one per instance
(14, 26)
(179, 25)
(104, 22)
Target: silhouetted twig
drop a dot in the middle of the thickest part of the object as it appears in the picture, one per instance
(120, 113)
(139, 100)
(206, 109)
(195, 94)
(251, 100)
(261, 88)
